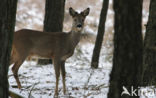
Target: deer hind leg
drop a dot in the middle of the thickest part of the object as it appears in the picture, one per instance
(57, 64)
(63, 72)
(11, 61)
(13, 58)
(15, 69)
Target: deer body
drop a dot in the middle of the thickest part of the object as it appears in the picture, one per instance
(55, 45)
(59, 44)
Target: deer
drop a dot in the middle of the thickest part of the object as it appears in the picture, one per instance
(58, 46)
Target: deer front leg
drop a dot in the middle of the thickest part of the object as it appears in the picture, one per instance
(63, 72)
(57, 64)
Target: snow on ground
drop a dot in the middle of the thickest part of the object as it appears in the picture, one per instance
(81, 80)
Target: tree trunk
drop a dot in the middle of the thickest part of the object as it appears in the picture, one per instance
(53, 20)
(150, 47)
(99, 39)
(7, 24)
(128, 48)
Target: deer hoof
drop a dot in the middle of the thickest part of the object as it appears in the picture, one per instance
(56, 95)
(64, 92)
(19, 86)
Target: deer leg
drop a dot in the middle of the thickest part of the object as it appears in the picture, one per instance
(15, 69)
(63, 72)
(57, 64)
(11, 61)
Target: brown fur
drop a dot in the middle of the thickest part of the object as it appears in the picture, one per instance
(55, 45)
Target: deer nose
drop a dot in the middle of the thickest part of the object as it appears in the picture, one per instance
(79, 25)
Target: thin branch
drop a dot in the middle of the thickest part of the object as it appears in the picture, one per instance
(30, 96)
(86, 84)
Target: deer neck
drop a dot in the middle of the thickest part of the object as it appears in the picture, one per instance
(74, 37)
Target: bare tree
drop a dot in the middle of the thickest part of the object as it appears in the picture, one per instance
(99, 39)
(7, 24)
(53, 21)
(128, 48)
(150, 47)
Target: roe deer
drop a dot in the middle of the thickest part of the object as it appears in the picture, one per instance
(58, 46)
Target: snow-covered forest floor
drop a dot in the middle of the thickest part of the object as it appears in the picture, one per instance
(81, 81)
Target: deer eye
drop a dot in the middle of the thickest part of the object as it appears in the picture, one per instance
(74, 19)
(82, 19)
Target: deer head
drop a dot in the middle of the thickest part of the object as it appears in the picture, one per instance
(78, 19)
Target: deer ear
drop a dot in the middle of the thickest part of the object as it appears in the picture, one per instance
(72, 12)
(85, 12)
